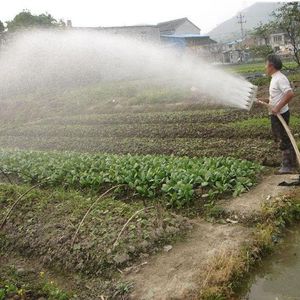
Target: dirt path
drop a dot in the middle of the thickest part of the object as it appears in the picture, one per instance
(177, 273)
(249, 204)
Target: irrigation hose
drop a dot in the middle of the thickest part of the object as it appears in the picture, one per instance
(287, 129)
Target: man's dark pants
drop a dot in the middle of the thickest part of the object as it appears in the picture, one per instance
(279, 132)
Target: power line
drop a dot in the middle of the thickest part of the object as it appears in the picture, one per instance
(242, 20)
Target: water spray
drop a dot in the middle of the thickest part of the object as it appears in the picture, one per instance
(49, 60)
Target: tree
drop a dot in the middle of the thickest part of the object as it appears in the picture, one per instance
(287, 19)
(261, 51)
(2, 28)
(26, 20)
(263, 31)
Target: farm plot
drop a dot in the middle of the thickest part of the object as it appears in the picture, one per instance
(46, 221)
(193, 133)
(118, 232)
(157, 191)
(77, 121)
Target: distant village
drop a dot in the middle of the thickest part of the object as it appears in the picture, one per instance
(185, 36)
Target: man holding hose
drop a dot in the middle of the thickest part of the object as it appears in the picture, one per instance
(281, 94)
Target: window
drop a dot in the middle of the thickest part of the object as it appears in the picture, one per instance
(277, 38)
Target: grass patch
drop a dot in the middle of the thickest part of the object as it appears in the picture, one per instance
(294, 77)
(258, 67)
(23, 284)
(261, 81)
(259, 123)
(251, 123)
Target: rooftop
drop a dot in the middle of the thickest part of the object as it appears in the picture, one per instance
(186, 35)
(170, 25)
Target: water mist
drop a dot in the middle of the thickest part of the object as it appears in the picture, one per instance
(46, 60)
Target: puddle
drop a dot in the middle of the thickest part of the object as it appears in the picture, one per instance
(278, 277)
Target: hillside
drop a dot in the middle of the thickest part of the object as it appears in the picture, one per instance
(254, 14)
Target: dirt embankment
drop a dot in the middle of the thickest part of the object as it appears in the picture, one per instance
(178, 274)
(38, 235)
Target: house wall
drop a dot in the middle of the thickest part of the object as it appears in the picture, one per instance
(277, 40)
(187, 28)
(233, 56)
(145, 33)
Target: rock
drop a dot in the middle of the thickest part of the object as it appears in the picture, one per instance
(21, 271)
(168, 248)
(128, 270)
(131, 249)
(159, 231)
(198, 191)
(121, 258)
(144, 255)
(231, 221)
(171, 230)
(144, 244)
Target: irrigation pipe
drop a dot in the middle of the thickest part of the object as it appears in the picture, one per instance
(5, 175)
(128, 221)
(16, 202)
(91, 207)
(287, 129)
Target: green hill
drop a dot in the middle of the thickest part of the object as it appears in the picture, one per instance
(254, 14)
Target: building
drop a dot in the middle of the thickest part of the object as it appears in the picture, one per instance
(178, 26)
(141, 32)
(185, 35)
(240, 50)
(148, 33)
(180, 33)
(195, 43)
(231, 52)
(278, 41)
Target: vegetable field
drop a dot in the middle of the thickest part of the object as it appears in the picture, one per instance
(175, 178)
(170, 158)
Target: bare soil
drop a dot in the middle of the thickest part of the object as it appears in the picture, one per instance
(250, 204)
(177, 274)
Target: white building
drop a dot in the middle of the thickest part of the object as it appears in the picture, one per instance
(178, 26)
(142, 32)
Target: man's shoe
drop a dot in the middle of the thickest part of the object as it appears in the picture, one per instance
(288, 165)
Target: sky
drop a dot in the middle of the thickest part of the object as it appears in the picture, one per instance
(206, 14)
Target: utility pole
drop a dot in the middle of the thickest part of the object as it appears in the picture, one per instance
(242, 21)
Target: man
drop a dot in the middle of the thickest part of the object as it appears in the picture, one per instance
(281, 94)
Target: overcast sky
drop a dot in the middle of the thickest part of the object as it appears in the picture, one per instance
(206, 14)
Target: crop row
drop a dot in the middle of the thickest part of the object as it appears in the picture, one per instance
(137, 130)
(140, 130)
(174, 178)
(196, 116)
(247, 148)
